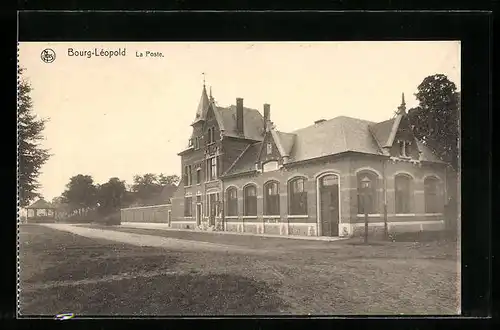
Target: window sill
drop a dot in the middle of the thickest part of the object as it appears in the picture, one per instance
(267, 216)
(188, 186)
(212, 181)
(301, 216)
(405, 214)
(369, 215)
(187, 217)
(249, 217)
(433, 214)
(231, 217)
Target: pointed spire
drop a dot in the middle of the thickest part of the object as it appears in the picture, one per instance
(202, 105)
(211, 97)
(402, 107)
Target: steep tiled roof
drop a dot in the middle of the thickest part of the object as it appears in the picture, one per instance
(253, 122)
(334, 136)
(284, 141)
(41, 204)
(426, 154)
(246, 161)
(382, 131)
(201, 112)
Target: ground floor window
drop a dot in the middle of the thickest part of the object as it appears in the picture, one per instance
(367, 196)
(433, 200)
(271, 198)
(297, 197)
(250, 200)
(403, 193)
(188, 206)
(232, 202)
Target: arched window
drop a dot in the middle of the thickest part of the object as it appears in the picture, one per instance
(250, 200)
(368, 201)
(433, 200)
(232, 202)
(403, 193)
(297, 197)
(271, 198)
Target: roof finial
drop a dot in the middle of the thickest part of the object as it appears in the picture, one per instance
(211, 98)
(403, 99)
(203, 73)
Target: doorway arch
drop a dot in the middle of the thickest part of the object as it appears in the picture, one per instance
(328, 203)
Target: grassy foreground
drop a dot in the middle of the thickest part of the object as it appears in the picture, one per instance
(62, 272)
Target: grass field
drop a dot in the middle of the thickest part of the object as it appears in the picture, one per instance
(62, 272)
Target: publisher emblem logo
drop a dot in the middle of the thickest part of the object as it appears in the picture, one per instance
(48, 55)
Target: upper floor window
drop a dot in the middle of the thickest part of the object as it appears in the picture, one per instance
(232, 201)
(297, 197)
(211, 135)
(269, 148)
(250, 200)
(198, 175)
(367, 197)
(187, 175)
(197, 143)
(190, 143)
(433, 201)
(270, 166)
(212, 169)
(271, 198)
(403, 193)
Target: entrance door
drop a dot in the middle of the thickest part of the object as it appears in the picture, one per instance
(329, 204)
(198, 214)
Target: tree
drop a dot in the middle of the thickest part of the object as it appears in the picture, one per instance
(146, 186)
(80, 192)
(435, 121)
(168, 179)
(110, 195)
(31, 155)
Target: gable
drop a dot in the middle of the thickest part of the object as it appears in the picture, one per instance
(269, 149)
(404, 143)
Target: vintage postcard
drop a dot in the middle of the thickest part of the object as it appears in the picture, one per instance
(239, 178)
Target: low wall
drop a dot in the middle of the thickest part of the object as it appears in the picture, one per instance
(150, 214)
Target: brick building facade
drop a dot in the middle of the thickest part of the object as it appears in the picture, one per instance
(241, 174)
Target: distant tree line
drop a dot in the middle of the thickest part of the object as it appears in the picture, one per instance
(85, 199)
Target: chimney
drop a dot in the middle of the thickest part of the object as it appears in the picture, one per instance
(267, 115)
(239, 116)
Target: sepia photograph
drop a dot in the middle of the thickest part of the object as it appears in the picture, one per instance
(239, 178)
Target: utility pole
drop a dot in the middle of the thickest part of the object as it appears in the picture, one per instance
(366, 183)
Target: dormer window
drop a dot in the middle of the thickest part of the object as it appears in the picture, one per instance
(190, 143)
(269, 148)
(403, 148)
(197, 143)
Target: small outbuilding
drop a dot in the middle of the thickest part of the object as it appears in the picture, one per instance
(40, 211)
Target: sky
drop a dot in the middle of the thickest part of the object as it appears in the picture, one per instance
(125, 115)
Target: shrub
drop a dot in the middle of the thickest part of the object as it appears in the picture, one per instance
(112, 219)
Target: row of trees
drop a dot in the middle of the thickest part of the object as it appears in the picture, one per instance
(82, 194)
